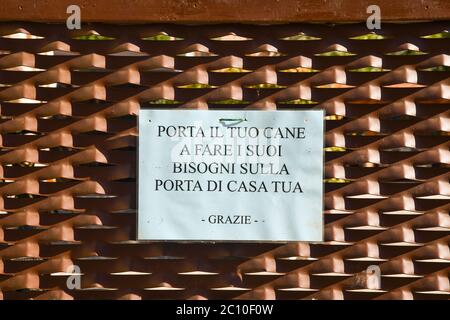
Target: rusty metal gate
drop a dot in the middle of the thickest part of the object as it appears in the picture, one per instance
(69, 102)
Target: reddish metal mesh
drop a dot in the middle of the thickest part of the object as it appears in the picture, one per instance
(68, 159)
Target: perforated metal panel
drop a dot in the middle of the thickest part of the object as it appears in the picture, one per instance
(68, 158)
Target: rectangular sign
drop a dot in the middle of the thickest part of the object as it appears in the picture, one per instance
(230, 175)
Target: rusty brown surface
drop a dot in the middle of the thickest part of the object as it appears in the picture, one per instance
(219, 11)
(68, 160)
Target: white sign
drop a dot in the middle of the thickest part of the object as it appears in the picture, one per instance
(230, 175)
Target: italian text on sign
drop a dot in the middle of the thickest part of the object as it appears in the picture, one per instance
(230, 175)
